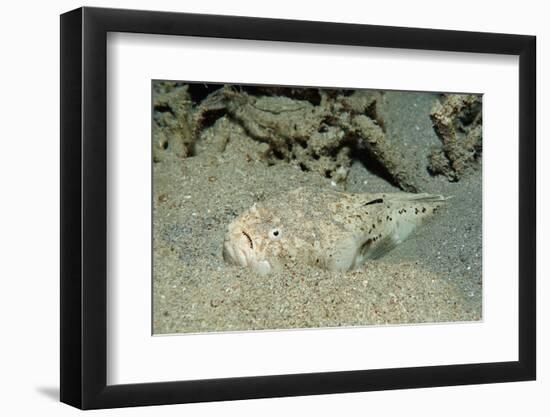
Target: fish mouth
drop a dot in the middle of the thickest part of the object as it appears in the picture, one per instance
(239, 249)
(250, 241)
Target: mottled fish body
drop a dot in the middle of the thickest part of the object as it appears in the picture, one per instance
(332, 230)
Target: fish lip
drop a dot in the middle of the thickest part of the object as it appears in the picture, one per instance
(235, 253)
(250, 241)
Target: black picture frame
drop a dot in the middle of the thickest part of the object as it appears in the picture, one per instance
(84, 208)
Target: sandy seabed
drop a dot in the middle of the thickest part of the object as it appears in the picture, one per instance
(435, 276)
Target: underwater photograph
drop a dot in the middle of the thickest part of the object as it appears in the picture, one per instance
(279, 207)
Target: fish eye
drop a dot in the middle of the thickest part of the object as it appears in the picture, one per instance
(275, 234)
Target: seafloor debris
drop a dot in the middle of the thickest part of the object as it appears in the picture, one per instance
(319, 132)
(320, 137)
(172, 131)
(363, 123)
(296, 131)
(457, 120)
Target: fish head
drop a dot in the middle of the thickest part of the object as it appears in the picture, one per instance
(254, 240)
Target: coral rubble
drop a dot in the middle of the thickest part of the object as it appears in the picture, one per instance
(457, 120)
(172, 132)
(316, 130)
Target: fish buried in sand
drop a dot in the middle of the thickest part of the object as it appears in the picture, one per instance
(332, 230)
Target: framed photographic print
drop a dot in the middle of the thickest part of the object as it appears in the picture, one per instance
(256, 208)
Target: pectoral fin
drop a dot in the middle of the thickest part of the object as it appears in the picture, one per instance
(376, 249)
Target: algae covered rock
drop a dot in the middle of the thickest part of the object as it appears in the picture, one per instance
(172, 132)
(321, 137)
(457, 119)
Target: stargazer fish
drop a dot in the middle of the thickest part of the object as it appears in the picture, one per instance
(332, 230)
